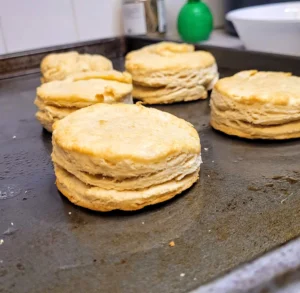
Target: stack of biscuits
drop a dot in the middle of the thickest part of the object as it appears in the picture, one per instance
(57, 99)
(168, 72)
(111, 156)
(257, 105)
(124, 157)
(61, 65)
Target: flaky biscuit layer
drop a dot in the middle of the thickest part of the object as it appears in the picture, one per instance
(59, 66)
(122, 132)
(99, 199)
(256, 105)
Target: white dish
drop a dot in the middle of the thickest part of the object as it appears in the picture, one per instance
(273, 28)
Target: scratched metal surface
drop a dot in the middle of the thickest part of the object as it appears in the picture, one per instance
(246, 203)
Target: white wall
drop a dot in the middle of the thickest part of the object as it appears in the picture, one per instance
(32, 24)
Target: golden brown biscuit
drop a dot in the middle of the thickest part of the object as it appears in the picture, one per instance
(143, 132)
(47, 115)
(83, 90)
(59, 66)
(126, 156)
(45, 120)
(170, 67)
(111, 75)
(83, 93)
(57, 99)
(252, 104)
(104, 200)
(124, 179)
(169, 94)
(166, 58)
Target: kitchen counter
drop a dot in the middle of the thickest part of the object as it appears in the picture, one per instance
(218, 38)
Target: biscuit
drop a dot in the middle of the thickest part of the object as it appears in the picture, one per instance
(61, 65)
(257, 105)
(112, 75)
(45, 120)
(124, 156)
(169, 67)
(47, 115)
(171, 93)
(83, 93)
(104, 200)
(57, 99)
(182, 165)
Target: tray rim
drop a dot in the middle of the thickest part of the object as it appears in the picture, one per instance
(27, 62)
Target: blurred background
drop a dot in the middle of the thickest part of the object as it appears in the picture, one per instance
(32, 24)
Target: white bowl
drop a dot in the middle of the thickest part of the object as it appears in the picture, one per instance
(273, 28)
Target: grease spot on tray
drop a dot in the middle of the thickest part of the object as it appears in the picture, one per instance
(9, 191)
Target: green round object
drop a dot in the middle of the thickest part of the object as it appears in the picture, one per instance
(195, 21)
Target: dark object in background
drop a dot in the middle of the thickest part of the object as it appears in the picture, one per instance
(236, 4)
(144, 16)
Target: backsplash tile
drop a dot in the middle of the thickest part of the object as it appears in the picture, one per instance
(97, 19)
(33, 24)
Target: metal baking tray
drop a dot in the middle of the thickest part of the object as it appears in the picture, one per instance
(246, 203)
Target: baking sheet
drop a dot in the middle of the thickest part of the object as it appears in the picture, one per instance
(245, 203)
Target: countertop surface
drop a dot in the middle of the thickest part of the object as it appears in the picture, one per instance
(218, 38)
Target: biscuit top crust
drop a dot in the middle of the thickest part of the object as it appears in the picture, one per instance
(169, 57)
(59, 66)
(87, 87)
(114, 75)
(126, 132)
(250, 87)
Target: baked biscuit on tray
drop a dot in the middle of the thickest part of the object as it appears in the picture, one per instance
(257, 105)
(169, 72)
(124, 157)
(57, 99)
(60, 65)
